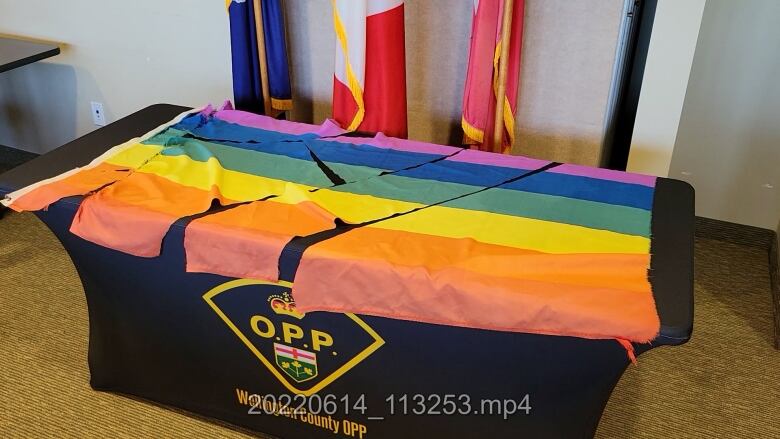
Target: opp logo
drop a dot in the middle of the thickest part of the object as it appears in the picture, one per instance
(305, 352)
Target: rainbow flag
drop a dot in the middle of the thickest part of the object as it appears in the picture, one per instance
(383, 226)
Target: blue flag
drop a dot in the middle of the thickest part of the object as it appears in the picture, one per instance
(247, 78)
(276, 54)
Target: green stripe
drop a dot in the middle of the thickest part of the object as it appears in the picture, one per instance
(592, 214)
(277, 166)
(162, 138)
(352, 173)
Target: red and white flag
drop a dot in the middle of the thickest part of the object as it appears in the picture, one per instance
(479, 94)
(369, 85)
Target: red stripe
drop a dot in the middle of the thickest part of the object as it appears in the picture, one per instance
(295, 353)
(385, 88)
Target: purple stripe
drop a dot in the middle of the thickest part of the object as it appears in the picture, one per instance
(467, 155)
(492, 159)
(208, 110)
(382, 141)
(605, 174)
(328, 128)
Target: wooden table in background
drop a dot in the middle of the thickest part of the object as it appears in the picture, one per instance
(17, 53)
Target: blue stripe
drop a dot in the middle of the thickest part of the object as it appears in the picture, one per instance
(473, 174)
(586, 188)
(215, 130)
(291, 145)
(367, 155)
(463, 173)
(550, 183)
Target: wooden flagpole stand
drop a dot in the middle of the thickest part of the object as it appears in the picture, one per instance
(258, 7)
(503, 67)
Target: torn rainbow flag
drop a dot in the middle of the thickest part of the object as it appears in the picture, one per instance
(379, 226)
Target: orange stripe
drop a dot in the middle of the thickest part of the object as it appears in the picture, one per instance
(435, 253)
(80, 183)
(457, 297)
(269, 226)
(134, 215)
(293, 219)
(160, 194)
(247, 241)
(461, 282)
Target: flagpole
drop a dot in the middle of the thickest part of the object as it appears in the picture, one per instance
(503, 68)
(258, 7)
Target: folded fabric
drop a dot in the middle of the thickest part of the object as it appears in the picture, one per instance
(380, 226)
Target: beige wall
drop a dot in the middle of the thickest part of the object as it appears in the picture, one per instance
(568, 56)
(668, 67)
(728, 144)
(132, 54)
(125, 54)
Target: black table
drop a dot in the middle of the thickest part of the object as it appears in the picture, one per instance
(154, 334)
(17, 53)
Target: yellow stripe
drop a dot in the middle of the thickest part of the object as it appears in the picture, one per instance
(513, 231)
(239, 186)
(352, 82)
(227, 4)
(10, 198)
(134, 156)
(281, 104)
(449, 222)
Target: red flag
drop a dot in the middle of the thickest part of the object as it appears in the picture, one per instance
(479, 94)
(369, 85)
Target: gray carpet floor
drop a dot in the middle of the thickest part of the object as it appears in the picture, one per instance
(725, 383)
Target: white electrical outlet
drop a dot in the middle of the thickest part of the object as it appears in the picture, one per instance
(98, 117)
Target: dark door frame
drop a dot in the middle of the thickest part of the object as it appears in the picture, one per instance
(620, 127)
